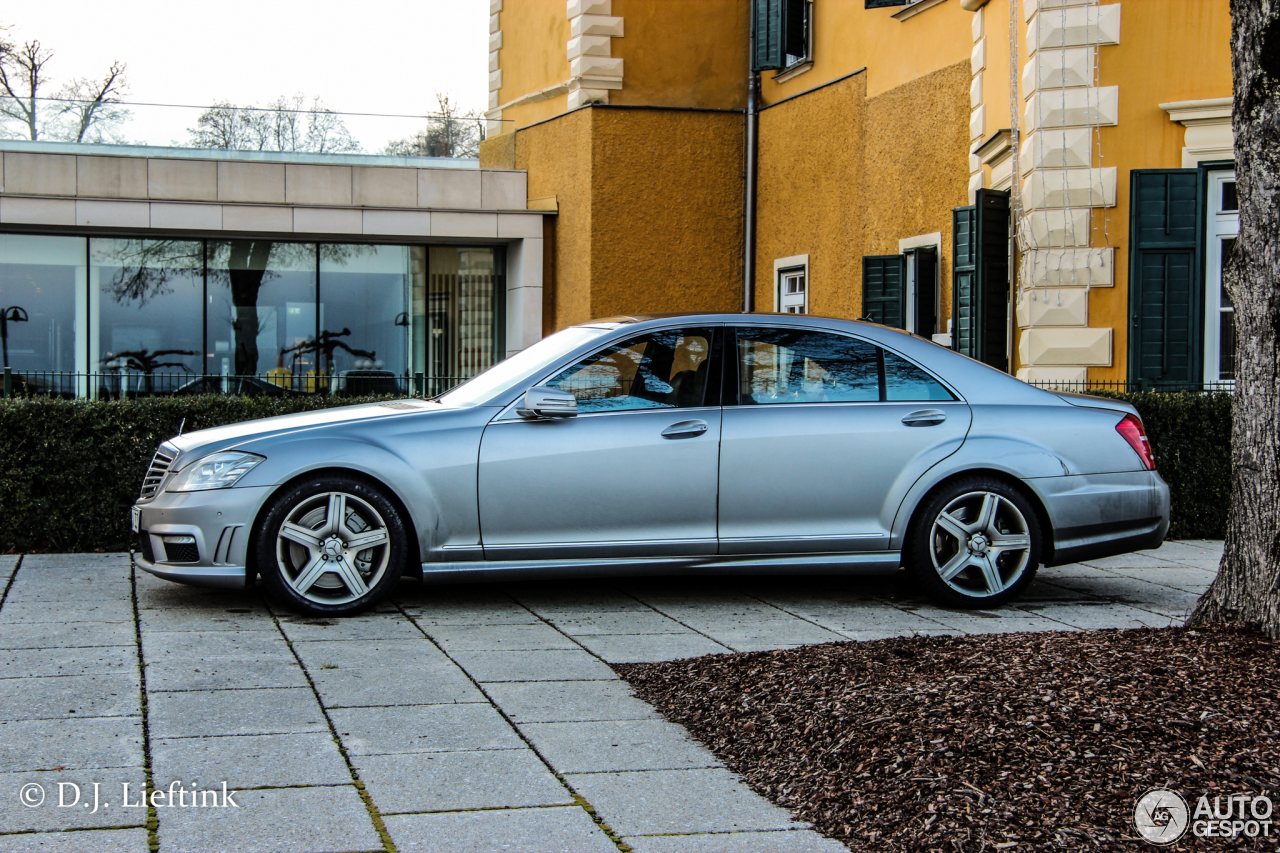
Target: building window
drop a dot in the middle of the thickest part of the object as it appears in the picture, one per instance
(130, 316)
(1223, 226)
(791, 285)
(781, 37)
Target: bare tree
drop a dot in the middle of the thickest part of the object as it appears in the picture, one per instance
(450, 133)
(90, 108)
(83, 109)
(286, 124)
(1247, 589)
(21, 78)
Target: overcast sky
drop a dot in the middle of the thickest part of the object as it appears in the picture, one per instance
(378, 56)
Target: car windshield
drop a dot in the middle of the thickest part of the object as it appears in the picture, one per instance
(509, 372)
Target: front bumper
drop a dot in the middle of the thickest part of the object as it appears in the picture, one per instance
(1101, 515)
(219, 520)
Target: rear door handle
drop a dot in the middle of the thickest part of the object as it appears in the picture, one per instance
(685, 429)
(925, 417)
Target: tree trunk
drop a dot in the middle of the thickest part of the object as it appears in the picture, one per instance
(1247, 589)
(246, 267)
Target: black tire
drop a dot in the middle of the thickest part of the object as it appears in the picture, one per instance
(957, 560)
(309, 565)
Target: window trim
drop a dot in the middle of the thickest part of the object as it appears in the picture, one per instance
(790, 264)
(1215, 178)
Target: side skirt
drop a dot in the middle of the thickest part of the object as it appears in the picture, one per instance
(873, 563)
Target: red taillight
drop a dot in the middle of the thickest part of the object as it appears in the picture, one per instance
(1131, 430)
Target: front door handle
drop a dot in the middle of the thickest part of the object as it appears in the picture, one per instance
(925, 417)
(685, 429)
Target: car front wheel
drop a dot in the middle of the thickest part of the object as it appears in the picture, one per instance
(975, 543)
(331, 546)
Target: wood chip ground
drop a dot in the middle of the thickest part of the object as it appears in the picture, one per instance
(994, 742)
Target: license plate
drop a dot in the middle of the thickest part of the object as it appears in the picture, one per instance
(135, 515)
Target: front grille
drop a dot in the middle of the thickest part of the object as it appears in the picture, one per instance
(156, 473)
(144, 546)
(181, 552)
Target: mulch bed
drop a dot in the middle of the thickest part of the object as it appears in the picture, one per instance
(1011, 741)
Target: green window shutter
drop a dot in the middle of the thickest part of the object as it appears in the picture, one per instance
(880, 4)
(980, 279)
(884, 289)
(767, 34)
(1166, 288)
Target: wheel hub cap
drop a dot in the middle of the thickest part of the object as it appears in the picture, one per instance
(978, 544)
(332, 548)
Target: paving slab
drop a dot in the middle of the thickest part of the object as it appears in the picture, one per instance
(117, 694)
(375, 626)
(648, 648)
(29, 587)
(73, 744)
(1106, 616)
(30, 663)
(617, 745)
(287, 820)
(188, 674)
(560, 829)
(59, 807)
(453, 781)
(84, 841)
(209, 713)
(769, 634)
(467, 638)
(251, 616)
(569, 701)
(778, 841)
(423, 728)
(564, 598)
(118, 562)
(369, 655)
(15, 612)
(549, 665)
(47, 635)
(1008, 622)
(241, 645)
(1183, 578)
(428, 684)
(469, 611)
(651, 802)
(628, 622)
(249, 761)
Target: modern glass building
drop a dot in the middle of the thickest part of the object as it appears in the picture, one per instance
(375, 278)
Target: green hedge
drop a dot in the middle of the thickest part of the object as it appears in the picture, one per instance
(70, 469)
(1190, 433)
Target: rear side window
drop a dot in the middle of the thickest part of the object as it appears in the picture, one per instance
(800, 366)
(904, 382)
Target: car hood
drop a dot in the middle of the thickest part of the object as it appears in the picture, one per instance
(202, 442)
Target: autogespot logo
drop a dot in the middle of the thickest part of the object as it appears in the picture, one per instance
(1161, 816)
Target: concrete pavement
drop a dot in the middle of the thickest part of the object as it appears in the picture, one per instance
(471, 718)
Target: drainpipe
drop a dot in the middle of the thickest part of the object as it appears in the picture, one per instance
(749, 206)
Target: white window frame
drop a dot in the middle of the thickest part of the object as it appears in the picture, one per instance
(1219, 226)
(782, 267)
(905, 247)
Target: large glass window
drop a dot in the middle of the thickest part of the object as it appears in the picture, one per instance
(659, 370)
(462, 313)
(365, 294)
(41, 289)
(798, 366)
(262, 312)
(147, 296)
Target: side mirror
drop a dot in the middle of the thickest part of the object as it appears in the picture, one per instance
(543, 402)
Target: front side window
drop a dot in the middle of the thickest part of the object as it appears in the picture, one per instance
(658, 370)
(799, 366)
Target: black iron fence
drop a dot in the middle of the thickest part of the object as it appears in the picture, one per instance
(129, 385)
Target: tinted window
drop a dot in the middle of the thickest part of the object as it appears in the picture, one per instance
(904, 382)
(797, 366)
(658, 370)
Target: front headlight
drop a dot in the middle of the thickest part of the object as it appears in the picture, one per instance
(215, 471)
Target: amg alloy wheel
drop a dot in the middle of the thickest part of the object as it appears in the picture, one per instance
(331, 546)
(975, 544)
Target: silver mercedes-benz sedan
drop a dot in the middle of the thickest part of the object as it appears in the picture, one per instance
(680, 444)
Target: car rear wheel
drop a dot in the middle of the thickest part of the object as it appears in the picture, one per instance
(331, 546)
(975, 543)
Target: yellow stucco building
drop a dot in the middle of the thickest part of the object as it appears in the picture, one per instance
(1043, 184)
